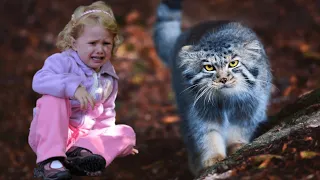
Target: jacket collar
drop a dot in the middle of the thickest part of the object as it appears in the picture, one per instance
(107, 68)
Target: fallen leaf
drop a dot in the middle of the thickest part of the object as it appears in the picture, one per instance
(274, 178)
(308, 154)
(308, 138)
(313, 55)
(304, 47)
(263, 157)
(132, 17)
(293, 79)
(284, 147)
(137, 79)
(293, 150)
(287, 91)
(170, 119)
(265, 163)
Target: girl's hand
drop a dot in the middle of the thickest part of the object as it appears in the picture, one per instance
(84, 97)
(134, 151)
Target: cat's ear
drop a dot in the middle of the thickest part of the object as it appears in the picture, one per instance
(186, 48)
(253, 45)
(186, 55)
(185, 51)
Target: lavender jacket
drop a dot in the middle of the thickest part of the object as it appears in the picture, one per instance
(61, 75)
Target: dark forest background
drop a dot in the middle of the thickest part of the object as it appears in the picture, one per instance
(290, 30)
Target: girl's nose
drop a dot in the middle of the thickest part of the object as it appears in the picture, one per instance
(100, 48)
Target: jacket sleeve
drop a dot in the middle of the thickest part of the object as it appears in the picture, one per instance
(108, 117)
(55, 79)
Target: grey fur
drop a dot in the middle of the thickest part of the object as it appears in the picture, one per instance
(214, 118)
(165, 40)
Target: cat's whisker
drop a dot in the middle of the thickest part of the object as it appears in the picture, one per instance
(210, 94)
(202, 93)
(197, 97)
(207, 94)
(205, 98)
(200, 90)
(195, 85)
(212, 90)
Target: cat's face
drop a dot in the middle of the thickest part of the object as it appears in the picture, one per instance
(223, 67)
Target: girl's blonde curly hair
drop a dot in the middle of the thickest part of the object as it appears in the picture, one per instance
(98, 13)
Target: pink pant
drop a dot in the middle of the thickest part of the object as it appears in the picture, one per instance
(51, 135)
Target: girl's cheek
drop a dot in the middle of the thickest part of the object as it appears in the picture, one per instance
(108, 50)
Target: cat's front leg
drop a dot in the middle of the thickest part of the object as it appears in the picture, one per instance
(237, 137)
(214, 149)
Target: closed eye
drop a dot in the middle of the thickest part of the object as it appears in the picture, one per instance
(106, 43)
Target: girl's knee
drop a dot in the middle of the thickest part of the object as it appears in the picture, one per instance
(54, 102)
(126, 131)
(51, 99)
(128, 139)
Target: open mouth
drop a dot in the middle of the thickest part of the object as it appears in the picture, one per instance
(96, 58)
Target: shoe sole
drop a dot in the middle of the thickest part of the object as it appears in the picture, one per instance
(59, 176)
(81, 166)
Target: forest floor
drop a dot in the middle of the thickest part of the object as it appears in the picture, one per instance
(290, 30)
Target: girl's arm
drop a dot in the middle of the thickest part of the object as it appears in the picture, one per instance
(108, 117)
(55, 78)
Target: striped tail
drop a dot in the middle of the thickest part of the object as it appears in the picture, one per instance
(167, 28)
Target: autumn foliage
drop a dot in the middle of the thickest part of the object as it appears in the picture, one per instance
(290, 30)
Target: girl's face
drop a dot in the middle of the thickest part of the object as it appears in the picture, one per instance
(94, 46)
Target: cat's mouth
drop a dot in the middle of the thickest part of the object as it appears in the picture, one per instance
(228, 84)
(223, 86)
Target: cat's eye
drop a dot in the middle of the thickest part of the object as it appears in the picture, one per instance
(233, 64)
(209, 67)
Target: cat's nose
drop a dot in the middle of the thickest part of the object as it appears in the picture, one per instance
(223, 80)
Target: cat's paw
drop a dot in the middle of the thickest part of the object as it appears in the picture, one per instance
(213, 160)
(232, 148)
